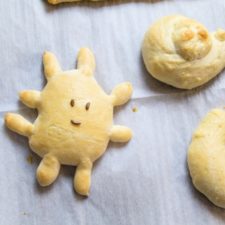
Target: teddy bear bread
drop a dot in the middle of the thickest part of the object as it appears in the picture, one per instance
(206, 157)
(182, 53)
(75, 120)
(54, 2)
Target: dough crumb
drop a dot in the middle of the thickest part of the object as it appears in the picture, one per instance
(134, 109)
(30, 159)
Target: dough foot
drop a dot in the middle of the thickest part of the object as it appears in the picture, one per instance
(48, 170)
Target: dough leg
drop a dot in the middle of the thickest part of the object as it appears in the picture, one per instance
(82, 179)
(18, 124)
(120, 134)
(48, 170)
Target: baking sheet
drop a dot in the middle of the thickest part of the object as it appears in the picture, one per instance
(143, 182)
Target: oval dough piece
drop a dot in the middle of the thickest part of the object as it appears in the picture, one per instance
(182, 53)
(206, 157)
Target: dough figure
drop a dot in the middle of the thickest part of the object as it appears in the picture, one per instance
(206, 157)
(75, 121)
(181, 52)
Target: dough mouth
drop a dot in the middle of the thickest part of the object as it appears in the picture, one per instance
(75, 122)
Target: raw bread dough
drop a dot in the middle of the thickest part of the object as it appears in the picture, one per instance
(206, 157)
(75, 121)
(181, 52)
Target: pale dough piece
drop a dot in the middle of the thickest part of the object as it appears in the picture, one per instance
(75, 121)
(54, 2)
(206, 157)
(181, 52)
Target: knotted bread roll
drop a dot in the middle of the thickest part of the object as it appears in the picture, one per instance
(181, 52)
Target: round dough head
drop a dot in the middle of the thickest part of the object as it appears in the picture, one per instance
(181, 52)
(206, 157)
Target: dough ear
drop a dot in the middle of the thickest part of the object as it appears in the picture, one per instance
(51, 65)
(86, 61)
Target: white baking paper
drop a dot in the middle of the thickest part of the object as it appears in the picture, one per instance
(144, 182)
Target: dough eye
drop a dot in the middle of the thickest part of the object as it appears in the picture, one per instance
(72, 103)
(87, 106)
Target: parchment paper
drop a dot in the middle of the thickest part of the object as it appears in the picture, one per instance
(145, 182)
